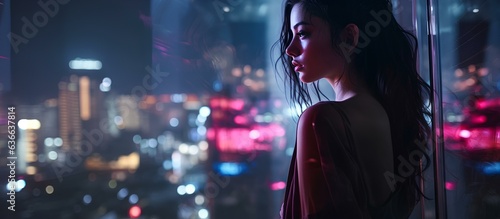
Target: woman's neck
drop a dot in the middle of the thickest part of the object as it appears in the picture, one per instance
(347, 88)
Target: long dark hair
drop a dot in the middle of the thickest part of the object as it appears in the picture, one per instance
(386, 62)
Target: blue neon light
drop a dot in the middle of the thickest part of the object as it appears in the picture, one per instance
(232, 169)
(491, 168)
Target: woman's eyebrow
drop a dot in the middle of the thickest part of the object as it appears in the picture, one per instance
(301, 23)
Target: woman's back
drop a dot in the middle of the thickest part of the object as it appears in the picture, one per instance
(372, 141)
(354, 148)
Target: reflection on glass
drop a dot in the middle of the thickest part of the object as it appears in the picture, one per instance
(470, 71)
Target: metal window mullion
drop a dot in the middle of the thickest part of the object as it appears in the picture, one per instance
(437, 113)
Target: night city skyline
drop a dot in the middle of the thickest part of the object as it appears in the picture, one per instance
(189, 117)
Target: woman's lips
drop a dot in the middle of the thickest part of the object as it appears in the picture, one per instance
(298, 66)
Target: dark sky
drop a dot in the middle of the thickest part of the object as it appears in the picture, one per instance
(120, 34)
(109, 30)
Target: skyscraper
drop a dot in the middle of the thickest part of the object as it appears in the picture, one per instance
(70, 124)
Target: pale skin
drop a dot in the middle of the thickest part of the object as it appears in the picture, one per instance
(316, 59)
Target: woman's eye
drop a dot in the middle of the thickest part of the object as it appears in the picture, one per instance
(302, 34)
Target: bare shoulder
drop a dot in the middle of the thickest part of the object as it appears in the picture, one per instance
(319, 112)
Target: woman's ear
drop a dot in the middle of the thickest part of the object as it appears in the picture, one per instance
(350, 36)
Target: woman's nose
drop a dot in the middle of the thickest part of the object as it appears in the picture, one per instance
(292, 50)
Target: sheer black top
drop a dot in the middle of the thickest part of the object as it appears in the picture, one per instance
(348, 194)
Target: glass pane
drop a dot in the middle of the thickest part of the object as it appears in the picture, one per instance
(470, 55)
(412, 15)
(218, 54)
(420, 19)
(145, 109)
(182, 116)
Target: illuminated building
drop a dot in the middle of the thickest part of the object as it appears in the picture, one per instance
(127, 115)
(70, 124)
(28, 140)
(27, 148)
(80, 109)
(36, 125)
(48, 135)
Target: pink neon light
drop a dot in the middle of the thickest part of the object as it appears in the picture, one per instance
(210, 134)
(234, 140)
(464, 133)
(254, 134)
(278, 185)
(237, 104)
(479, 119)
(240, 120)
(481, 104)
(214, 103)
(450, 185)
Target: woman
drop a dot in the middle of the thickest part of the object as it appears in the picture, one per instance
(357, 156)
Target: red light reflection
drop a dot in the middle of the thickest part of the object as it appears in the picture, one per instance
(135, 211)
(478, 119)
